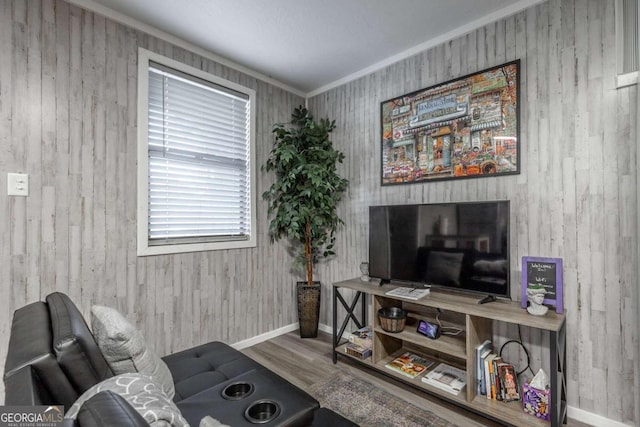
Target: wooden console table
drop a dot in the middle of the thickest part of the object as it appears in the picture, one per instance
(476, 321)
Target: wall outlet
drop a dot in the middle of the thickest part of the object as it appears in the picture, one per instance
(17, 184)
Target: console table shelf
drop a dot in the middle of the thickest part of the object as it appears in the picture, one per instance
(445, 344)
(476, 322)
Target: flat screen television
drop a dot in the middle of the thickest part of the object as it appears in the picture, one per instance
(461, 246)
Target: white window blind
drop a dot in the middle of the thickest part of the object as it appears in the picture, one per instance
(627, 40)
(198, 168)
(629, 33)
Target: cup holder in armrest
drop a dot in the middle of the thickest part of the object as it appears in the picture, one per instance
(237, 391)
(262, 411)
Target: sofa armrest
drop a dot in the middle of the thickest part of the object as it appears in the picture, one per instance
(22, 387)
(107, 409)
(76, 350)
(30, 346)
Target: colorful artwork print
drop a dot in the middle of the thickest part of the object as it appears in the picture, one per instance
(468, 127)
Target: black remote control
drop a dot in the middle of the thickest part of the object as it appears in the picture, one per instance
(488, 298)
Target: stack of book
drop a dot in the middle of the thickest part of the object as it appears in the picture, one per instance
(409, 364)
(494, 378)
(360, 343)
(482, 351)
(447, 378)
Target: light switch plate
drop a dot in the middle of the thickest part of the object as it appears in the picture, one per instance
(17, 184)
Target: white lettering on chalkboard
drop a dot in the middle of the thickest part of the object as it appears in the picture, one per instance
(542, 273)
(542, 267)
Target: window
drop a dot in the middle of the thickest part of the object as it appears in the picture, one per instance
(627, 42)
(195, 159)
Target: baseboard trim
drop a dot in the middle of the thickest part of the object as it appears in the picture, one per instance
(325, 328)
(265, 337)
(275, 333)
(592, 419)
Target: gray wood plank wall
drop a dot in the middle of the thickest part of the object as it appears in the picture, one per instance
(575, 197)
(68, 118)
(68, 85)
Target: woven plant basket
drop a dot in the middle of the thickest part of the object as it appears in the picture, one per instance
(308, 308)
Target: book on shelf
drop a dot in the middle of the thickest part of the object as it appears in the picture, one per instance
(447, 378)
(362, 337)
(488, 365)
(481, 349)
(409, 293)
(483, 380)
(409, 364)
(495, 381)
(508, 382)
(358, 351)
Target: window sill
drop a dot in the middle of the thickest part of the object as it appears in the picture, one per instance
(146, 250)
(626, 79)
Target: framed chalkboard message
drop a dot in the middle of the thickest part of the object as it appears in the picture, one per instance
(545, 272)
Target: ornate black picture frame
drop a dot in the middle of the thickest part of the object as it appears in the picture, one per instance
(468, 127)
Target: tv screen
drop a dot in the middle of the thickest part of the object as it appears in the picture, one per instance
(462, 246)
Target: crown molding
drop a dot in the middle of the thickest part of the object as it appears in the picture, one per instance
(98, 8)
(455, 33)
(121, 18)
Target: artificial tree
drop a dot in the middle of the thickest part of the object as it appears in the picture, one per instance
(305, 194)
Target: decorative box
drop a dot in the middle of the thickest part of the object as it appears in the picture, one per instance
(536, 402)
(357, 350)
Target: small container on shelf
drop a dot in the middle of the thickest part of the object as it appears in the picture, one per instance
(536, 402)
(392, 319)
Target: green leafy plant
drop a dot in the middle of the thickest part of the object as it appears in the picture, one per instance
(304, 197)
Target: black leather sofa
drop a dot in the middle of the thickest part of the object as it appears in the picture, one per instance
(53, 358)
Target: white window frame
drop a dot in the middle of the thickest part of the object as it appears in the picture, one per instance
(628, 77)
(143, 247)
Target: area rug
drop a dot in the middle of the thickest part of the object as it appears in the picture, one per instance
(371, 406)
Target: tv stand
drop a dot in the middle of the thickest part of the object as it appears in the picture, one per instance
(488, 298)
(476, 321)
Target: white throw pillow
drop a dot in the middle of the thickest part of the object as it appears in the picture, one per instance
(125, 349)
(143, 393)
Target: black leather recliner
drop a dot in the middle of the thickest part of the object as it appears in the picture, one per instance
(53, 358)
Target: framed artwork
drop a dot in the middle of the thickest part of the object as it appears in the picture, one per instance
(545, 272)
(465, 128)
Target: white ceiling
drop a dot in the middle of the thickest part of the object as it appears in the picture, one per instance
(310, 45)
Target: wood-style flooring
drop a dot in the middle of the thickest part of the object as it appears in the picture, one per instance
(305, 362)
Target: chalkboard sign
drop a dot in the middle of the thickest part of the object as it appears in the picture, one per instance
(545, 272)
